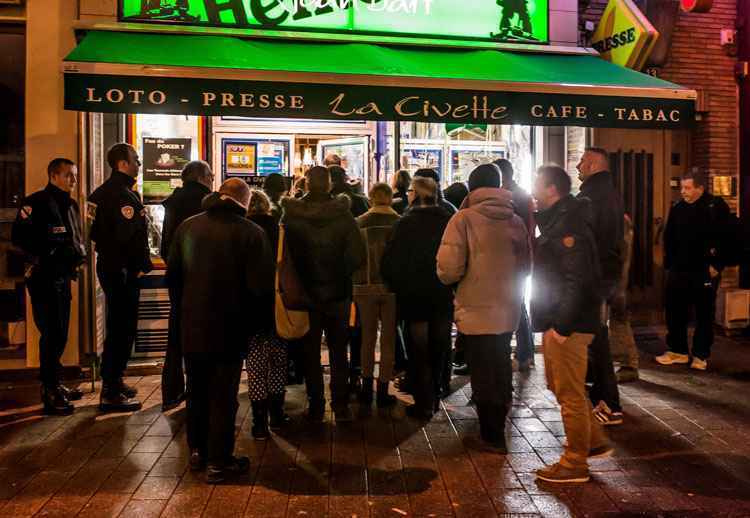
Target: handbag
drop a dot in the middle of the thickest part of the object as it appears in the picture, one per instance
(292, 318)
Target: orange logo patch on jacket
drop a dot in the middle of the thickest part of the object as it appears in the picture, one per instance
(569, 241)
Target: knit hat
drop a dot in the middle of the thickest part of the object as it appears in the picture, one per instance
(486, 175)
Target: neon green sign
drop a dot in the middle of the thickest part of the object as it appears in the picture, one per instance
(523, 21)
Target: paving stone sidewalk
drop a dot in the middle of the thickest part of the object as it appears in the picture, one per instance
(683, 452)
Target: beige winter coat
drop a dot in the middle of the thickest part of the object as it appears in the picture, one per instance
(485, 250)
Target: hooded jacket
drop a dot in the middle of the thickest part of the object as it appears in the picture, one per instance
(409, 264)
(325, 244)
(358, 204)
(485, 250)
(220, 275)
(608, 226)
(184, 202)
(566, 271)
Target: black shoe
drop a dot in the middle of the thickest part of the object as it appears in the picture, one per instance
(166, 406)
(343, 414)
(365, 392)
(384, 398)
(129, 390)
(496, 446)
(419, 413)
(116, 401)
(72, 394)
(197, 461)
(216, 474)
(260, 420)
(316, 412)
(278, 419)
(404, 385)
(461, 370)
(55, 402)
(444, 392)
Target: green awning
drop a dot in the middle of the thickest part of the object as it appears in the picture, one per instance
(132, 72)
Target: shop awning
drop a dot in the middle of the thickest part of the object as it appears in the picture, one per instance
(130, 72)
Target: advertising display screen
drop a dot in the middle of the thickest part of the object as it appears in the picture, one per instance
(163, 160)
(414, 158)
(255, 157)
(487, 20)
(240, 158)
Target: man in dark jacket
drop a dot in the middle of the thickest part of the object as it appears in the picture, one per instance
(185, 202)
(376, 303)
(48, 230)
(120, 231)
(566, 308)
(325, 244)
(609, 220)
(358, 203)
(435, 176)
(523, 206)
(692, 242)
(220, 273)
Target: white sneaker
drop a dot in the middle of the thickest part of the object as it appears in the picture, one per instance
(698, 364)
(669, 358)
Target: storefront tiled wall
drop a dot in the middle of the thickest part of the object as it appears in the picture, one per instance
(698, 60)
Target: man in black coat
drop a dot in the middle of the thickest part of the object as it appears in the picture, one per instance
(220, 273)
(185, 202)
(692, 241)
(120, 231)
(358, 204)
(566, 308)
(48, 230)
(326, 247)
(609, 221)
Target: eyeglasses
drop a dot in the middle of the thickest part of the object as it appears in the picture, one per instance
(409, 190)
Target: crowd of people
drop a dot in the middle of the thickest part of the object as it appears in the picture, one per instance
(393, 272)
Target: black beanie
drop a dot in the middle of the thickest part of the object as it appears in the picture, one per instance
(486, 175)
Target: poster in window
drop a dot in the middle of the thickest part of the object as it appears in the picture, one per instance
(163, 161)
(423, 158)
(270, 158)
(240, 158)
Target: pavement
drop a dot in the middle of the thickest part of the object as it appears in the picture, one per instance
(683, 451)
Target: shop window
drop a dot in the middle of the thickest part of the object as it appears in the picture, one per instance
(12, 83)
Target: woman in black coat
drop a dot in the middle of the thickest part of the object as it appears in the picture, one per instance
(266, 362)
(426, 304)
(183, 203)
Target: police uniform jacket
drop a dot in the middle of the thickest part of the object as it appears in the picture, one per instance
(48, 230)
(566, 270)
(120, 229)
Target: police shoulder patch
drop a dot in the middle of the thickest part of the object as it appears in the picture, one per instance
(26, 211)
(128, 212)
(569, 241)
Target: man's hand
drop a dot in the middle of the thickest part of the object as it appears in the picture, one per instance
(713, 272)
(554, 336)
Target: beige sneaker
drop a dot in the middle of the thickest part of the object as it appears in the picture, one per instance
(559, 474)
(670, 358)
(698, 364)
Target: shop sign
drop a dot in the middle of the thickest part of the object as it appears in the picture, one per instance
(163, 161)
(697, 6)
(485, 20)
(164, 95)
(624, 35)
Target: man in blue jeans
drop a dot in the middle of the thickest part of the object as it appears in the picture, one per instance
(523, 206)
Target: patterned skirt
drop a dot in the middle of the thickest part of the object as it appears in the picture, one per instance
(266, 365)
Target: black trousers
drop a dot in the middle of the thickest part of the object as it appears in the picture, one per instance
(686, 290)
(121, 292)
(491, 372)
(333, 318)
(601, 372)
(50, 306)
(172, 374)
(212, 405)
(430, 342)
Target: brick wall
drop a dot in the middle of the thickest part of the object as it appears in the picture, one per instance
(698, 61)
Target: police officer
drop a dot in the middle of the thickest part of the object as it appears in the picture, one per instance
(120, 232)
(48, 230)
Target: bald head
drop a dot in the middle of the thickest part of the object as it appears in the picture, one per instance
(236, 189)
(594, 160)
